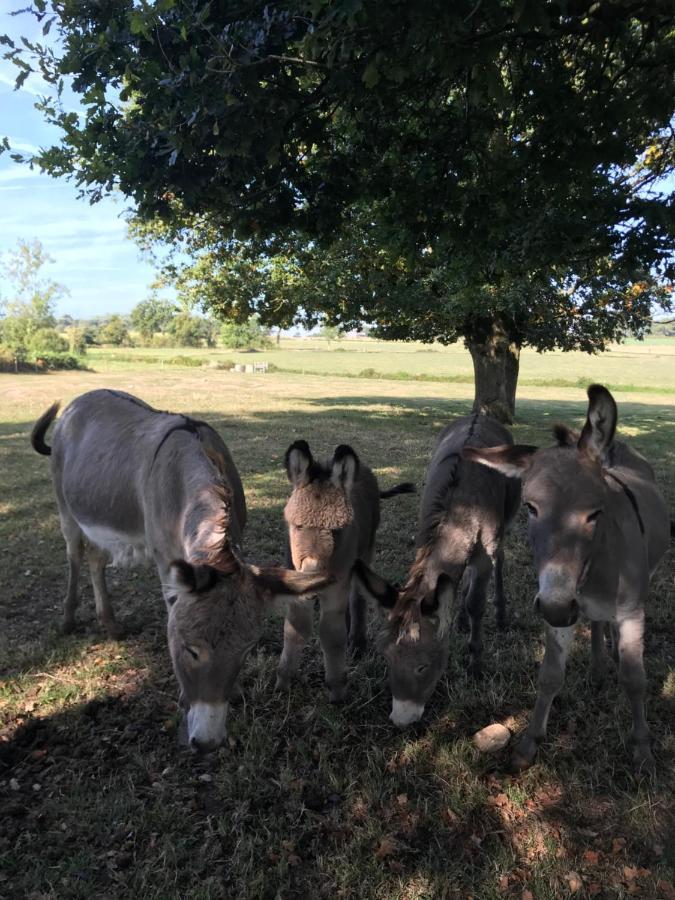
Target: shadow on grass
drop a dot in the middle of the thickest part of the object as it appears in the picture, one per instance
(309, 800)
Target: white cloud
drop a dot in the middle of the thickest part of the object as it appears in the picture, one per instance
(18, 173)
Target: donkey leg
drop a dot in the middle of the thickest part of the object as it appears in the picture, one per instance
(358, 632)
(75, 550)
(475, 605)
(551, 679)
(297, 630)
(598, 653)
(97, 562)
(634, 682)
(500, 596)
(333, 636)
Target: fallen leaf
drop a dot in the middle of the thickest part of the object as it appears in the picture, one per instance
(574, 881)
(618, 845)
(387, 847)
(591, 857)
(503, 883)
(666, 888)
(629, 873)
(527, 895)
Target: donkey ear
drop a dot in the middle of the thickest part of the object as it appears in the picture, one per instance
(374, 586)
(345, 467)
(598, 431)
(564, 436)
(185, 578)
(511, 461)
(280, 581)
(298, 460)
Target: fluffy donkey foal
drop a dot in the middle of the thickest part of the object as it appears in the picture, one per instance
(332, 516)
(598, 528)
(464, 513)
(140, 484)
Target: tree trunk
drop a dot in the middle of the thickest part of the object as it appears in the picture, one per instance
(496, 359)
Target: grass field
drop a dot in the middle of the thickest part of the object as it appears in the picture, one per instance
(307, 800)
(648, 365)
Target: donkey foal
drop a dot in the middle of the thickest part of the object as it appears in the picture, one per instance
(332, 516)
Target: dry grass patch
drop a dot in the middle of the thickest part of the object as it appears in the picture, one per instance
(309, 800)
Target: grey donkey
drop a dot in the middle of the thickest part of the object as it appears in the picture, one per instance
(331, 516)
(464, 513)
(598, 527)
(139, 484)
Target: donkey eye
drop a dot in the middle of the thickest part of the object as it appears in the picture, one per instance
(532, 509)
(420, 670)
(191, 650)
(594, 516)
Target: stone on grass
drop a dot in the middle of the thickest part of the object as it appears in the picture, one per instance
(492, 738)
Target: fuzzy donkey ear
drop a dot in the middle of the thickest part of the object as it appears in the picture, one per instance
(510, 460)
(345, 468)
(185, 578)
(298, 461)
(598, 431)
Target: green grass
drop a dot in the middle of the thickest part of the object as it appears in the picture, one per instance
(638, 366)
(308, 800)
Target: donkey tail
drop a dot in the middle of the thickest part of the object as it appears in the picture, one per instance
(407, 487)
(37, 435)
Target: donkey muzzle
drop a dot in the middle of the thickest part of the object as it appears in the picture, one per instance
(558, 614)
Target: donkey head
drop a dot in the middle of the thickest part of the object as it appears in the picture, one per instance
(413, 639)
(215, 618)
(319, 509)
(565, 495)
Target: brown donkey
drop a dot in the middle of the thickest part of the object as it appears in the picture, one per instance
(464, 513)
(598, 528)
(332, 516)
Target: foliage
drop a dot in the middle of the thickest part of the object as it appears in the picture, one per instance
(331, 333)
(441, 171)
(192, 331)
(77, 337)
(249, 334)
(114, 331)
(27, 306)
(48, 340)
(151, 316)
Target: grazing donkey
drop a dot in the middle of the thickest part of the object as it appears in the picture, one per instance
(331, 516)
(141, 484)
(464, 512)
(598, 528)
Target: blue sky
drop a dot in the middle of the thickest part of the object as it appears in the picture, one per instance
(94, 259)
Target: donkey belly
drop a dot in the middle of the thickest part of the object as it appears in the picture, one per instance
(124, 549)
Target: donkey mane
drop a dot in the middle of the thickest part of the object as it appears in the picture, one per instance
(449, 467)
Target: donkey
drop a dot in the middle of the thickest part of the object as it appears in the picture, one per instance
(331, 516)
(598, 528)
(141, 484)
(463, 516)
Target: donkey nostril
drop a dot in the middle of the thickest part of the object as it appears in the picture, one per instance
(537, 604)
(195, 746)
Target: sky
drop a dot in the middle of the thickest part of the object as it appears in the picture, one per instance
(93, 257)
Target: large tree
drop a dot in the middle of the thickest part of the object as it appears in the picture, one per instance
(487, 170)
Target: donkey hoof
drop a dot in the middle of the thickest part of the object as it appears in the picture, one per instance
(337, 692)
(67, 626)
(523, 755)
(643, 760)
(115, 630)
(283, 683)
(357, 648)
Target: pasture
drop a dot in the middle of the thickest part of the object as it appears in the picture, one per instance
(309, 800)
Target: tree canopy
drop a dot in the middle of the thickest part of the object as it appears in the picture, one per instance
(485, 170)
